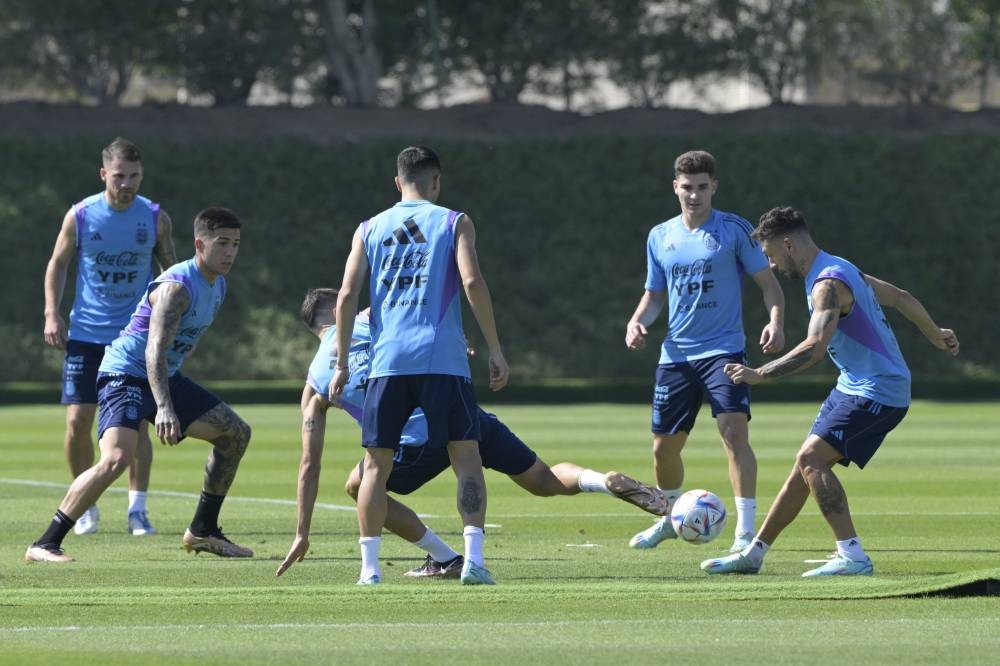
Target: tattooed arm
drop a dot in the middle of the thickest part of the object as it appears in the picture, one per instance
(166, 254)
(830, 299)
(314, 407)
(168, 302)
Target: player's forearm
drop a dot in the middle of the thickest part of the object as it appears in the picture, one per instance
(481, 303)
(156, 371)
(55, 285)
(913, 309)
(649, 308)
(774, 302)
(804, 355)
(346, 313)
(313, 429)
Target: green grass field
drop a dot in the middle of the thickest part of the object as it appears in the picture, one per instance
(571, 591)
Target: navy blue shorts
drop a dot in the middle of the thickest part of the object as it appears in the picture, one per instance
(855, 426)
(448, 401)
(500, 449)
(680, 387)
(124, 400)
(79, 374)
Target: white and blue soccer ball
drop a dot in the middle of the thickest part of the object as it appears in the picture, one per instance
(698, 516)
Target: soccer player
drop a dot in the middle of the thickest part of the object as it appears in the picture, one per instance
(695, 267)
(415, 463)
(115, 236)
(139, 379)
(419, 254)
(871, 396)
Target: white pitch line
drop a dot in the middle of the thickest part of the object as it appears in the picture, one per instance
(715, 622)
(343, 507)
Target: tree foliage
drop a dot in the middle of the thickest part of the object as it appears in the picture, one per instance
(366, 53)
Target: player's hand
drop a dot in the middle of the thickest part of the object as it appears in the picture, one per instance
(168, 426)
(55, 331)
(635, 335)
(297, 553)
(336, 390)
(772, 339)
(946, 340)
(499, 371)
(742, 374)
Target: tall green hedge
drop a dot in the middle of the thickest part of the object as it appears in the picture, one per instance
(561, 226)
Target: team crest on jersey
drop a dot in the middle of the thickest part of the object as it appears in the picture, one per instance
(712, 242)
(141, 235)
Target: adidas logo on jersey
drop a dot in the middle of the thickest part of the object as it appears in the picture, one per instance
(96, 236)
(839, 434)
(401, 237)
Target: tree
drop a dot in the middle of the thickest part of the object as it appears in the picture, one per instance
(917, 51)
(983, 20)
(771, 40)
(84, 51)
(222, 47)
(656, 44)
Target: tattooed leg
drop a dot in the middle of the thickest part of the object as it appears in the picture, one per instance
(815, 462)
(468, 468)
(229, 436)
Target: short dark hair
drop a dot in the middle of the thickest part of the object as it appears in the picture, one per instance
(210, 219)
(416, 163)
(694, 161)
(121, 149)
(317, 300)
(780, 221)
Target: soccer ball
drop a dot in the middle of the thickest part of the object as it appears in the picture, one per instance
(698, 516)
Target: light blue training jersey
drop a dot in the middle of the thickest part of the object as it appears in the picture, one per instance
(702, 272)
(114, 264)
(324, 364)
(416, 313)
(864, 346)
(127, 353)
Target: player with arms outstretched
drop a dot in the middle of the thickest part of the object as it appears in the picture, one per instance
(871, 397)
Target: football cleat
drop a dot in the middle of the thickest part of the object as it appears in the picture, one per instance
(215, 543)
(737, 563)
(139, 525)
(843, 566)
(46, 553)
(373, 579)
(432, 568)
(473, 574)
(87, 523)
(741, 542)
(651, 538)
(647, 498)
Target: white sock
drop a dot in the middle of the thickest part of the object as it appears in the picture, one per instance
(136, 500)
(439, 550)
(671, 494)
(369, 556)
(592, 482)
(746, 515)
(756, 551)
(851, 549)
(474, 544)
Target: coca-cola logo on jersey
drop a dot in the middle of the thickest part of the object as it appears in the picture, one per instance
(121, 259)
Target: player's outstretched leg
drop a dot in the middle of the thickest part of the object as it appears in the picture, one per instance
(627, 489)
